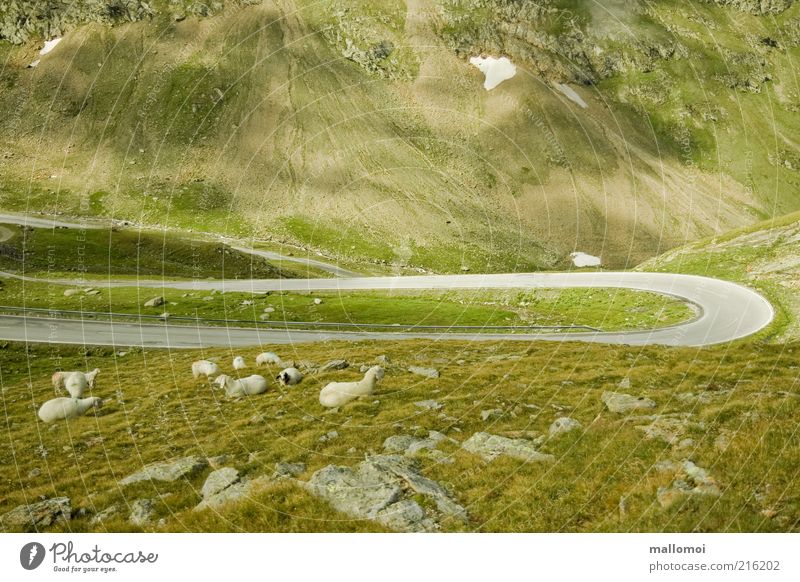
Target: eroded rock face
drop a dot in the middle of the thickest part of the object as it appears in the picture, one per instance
(168, 470)
(490, 446)
(380, 489)
(619, 402)
(37, 515)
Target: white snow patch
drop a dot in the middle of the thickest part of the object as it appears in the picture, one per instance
(495, 70)
(583, 260)
(33, 64)
(570, 94)
(49, 45)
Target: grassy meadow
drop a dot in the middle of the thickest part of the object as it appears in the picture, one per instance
(741, 402)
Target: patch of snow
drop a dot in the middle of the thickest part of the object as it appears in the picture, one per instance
(495, 70)
(33, 64)
(583, 260)
(570, 94)
(49, 45)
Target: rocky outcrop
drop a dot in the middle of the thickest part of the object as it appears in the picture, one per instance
(37, 515)
(381, 488)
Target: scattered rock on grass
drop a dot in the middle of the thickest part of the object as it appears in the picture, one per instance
(410, 445)
(168, 470)
(288, 469)
(563, 425)
(490, 446)
(142, 511)
(429, 404)
(618, 402)
(155, 302)
(334, 365)
(423, 371)
(691, 480)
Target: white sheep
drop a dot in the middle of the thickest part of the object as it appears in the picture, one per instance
(249, 386)
(65, 408)
(268, 358)
(59, 380)
(75, 383)
(289, 377)
(339, 393)
(204, 368)
(239, 363)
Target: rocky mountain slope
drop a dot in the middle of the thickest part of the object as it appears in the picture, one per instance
(361, 129)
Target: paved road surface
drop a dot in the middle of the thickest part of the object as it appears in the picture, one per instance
(726, 311)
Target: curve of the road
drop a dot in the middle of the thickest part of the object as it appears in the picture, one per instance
(727, 311)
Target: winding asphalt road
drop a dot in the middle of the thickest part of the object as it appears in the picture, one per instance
(726, 311)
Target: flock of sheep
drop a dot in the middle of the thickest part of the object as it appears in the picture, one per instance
(332, 395)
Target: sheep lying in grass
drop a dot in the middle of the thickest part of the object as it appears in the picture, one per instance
(239, 363)
(289, 377)
(204, 368)
(249, 386)
(268, 358)
(339, 393)
(66, 408)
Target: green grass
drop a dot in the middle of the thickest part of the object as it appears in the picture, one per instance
(155, 411)
(47, 252)
(608, 309)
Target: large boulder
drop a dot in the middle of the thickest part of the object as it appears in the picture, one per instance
(155, 302)
(380, 489)
(219, 480)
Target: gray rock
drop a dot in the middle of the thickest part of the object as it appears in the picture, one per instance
(37, 515)
(168, 470)
(219, 461)
(219, 480)
(563, 425)
(491, 414)
(334, 365)
(288, 469)
(410, 444)
(691, 480)
(490, 446)
(624, 384)
(109, 512)
(668, 429)
(375, 490)
(234, 494)
(71, 292)
(155, 302)
(618, 402)
(423, 371)
(142, 511)
(429, 404)
(329, 436)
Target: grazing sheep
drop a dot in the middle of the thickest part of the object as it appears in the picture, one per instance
(289, 377)
(249, 386)
(75, 383)
(204, 368)
(239, 363)
(66, 408)
(91, 376)
(268, 358)
(339, 393)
